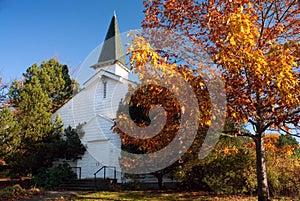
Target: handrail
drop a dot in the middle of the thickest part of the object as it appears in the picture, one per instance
(104, 173)
(99, 170)
(77, 168)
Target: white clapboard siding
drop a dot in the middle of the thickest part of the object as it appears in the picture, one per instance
(92, 131)
(66, 114)
(88, 166)
(82, 105)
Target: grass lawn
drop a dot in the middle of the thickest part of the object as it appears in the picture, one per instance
(162, 196)
(125, 195)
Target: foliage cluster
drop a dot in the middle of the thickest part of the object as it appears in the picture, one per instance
(230, 169)
(12, 191)
(16, 192)
(54, 176)
(31, 138)
(65, 145)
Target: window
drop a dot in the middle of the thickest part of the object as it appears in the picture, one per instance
(104, 89)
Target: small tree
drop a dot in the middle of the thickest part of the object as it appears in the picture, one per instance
(70, 147)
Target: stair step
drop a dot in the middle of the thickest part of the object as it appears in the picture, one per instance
(88, 185)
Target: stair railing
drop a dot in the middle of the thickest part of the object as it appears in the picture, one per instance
(77, 169)
(104, 172)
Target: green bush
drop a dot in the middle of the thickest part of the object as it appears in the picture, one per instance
(283, 176)
(54, 176)
(231, 168)
(231, 174)
(224, 174)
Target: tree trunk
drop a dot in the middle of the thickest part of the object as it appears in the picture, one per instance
(159, 175)
(160, 181)
(262, 181)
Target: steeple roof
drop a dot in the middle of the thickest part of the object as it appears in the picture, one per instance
(112, 49)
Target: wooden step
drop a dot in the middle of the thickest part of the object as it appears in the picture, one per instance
(88, 185)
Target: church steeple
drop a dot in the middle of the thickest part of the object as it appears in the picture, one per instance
(112, 49)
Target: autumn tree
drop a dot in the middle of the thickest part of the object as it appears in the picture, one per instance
(183, 100)
(255, 43)
(138, 109)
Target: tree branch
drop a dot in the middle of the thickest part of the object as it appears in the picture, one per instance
(289, 133)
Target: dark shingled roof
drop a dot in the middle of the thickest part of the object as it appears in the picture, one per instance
(112, 49)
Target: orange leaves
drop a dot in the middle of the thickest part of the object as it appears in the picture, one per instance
(271, 142)
(272, 145)
(232, 41)
(170, 3)
(241, 29)
(140, 112)
(254, 43)
(148, 63)
(227, 151)
(171, 86)
(258, 64)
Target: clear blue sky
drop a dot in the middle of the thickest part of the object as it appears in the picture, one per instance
(36, 30)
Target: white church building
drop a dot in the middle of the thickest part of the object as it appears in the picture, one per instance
(96, 105)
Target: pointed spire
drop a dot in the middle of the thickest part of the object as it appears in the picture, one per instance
(112, 49)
